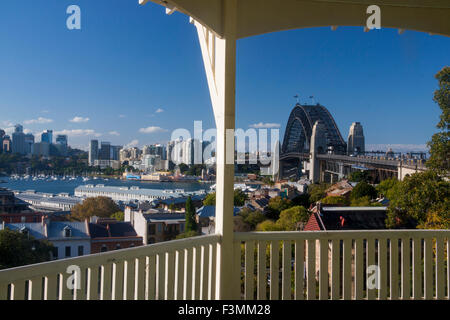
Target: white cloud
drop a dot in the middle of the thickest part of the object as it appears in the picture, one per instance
(114, 133)
(122, 116)
(133, 143)
(9, 130)
(39, 120)
(152, 130)
(159, 110)
(262, 125)
(79, 132)
(45, 111)
(7, 123)
(79, 119)
(397, 147)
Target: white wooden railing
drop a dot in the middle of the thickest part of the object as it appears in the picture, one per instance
(413, 264)
(179, 269)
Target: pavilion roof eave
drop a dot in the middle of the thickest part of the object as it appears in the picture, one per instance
(258, 17)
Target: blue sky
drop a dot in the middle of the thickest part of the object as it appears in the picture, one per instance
(132, 67)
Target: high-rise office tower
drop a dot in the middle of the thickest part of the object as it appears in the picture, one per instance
(47, 136)
(29, 142)
(93, 152)
(105, 151)
(18, 140)
(61, 144)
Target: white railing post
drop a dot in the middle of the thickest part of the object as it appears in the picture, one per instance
(219, 56)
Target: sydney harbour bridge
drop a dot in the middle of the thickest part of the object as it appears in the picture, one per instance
(313, 145)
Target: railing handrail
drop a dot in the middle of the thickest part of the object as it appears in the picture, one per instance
(340, 234)
(37, 270)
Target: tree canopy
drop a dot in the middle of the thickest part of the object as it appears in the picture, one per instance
(99, 206)
(416, 197)
(239, 198)
(317, 192)
(18, 249)
(191, 224)
(251, 217)
(276, 205)
(336, 200)
(440, 142)
(288, 220)
(363, 189)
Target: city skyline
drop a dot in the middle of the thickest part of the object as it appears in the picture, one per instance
(85, 85)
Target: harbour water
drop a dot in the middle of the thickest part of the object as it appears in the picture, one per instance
(68, 186)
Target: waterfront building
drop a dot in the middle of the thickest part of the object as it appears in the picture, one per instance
(93, 151)
(9, 203)
(356, 144)
(48, 202)
(131, 193)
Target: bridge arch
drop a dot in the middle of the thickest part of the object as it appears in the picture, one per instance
(297, 136)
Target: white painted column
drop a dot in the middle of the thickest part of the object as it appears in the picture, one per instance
(219, 56)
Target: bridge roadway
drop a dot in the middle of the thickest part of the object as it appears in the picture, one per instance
(341, 165)
(370, 160)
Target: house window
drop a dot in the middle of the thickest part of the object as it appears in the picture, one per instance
(182, 227)
(151, 229)
(118, 246)
(68, 251)
(80, 250)
(67, 232)
(159, 227)
(23, 219)
(55, 253)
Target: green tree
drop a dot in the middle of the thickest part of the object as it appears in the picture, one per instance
(317, 192)
(191, 224)
(268, 225)
(359, 176)
(252, 217)
(276, 205)
(210, 199)
(386, 186)
(338, 200)
(416, 197)
(99, 206)
(363, 189)
(289, 218)
(364, 202)
(440, 142)
(188, 234)
(18, 249)
(239, 198)
(119, 216)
